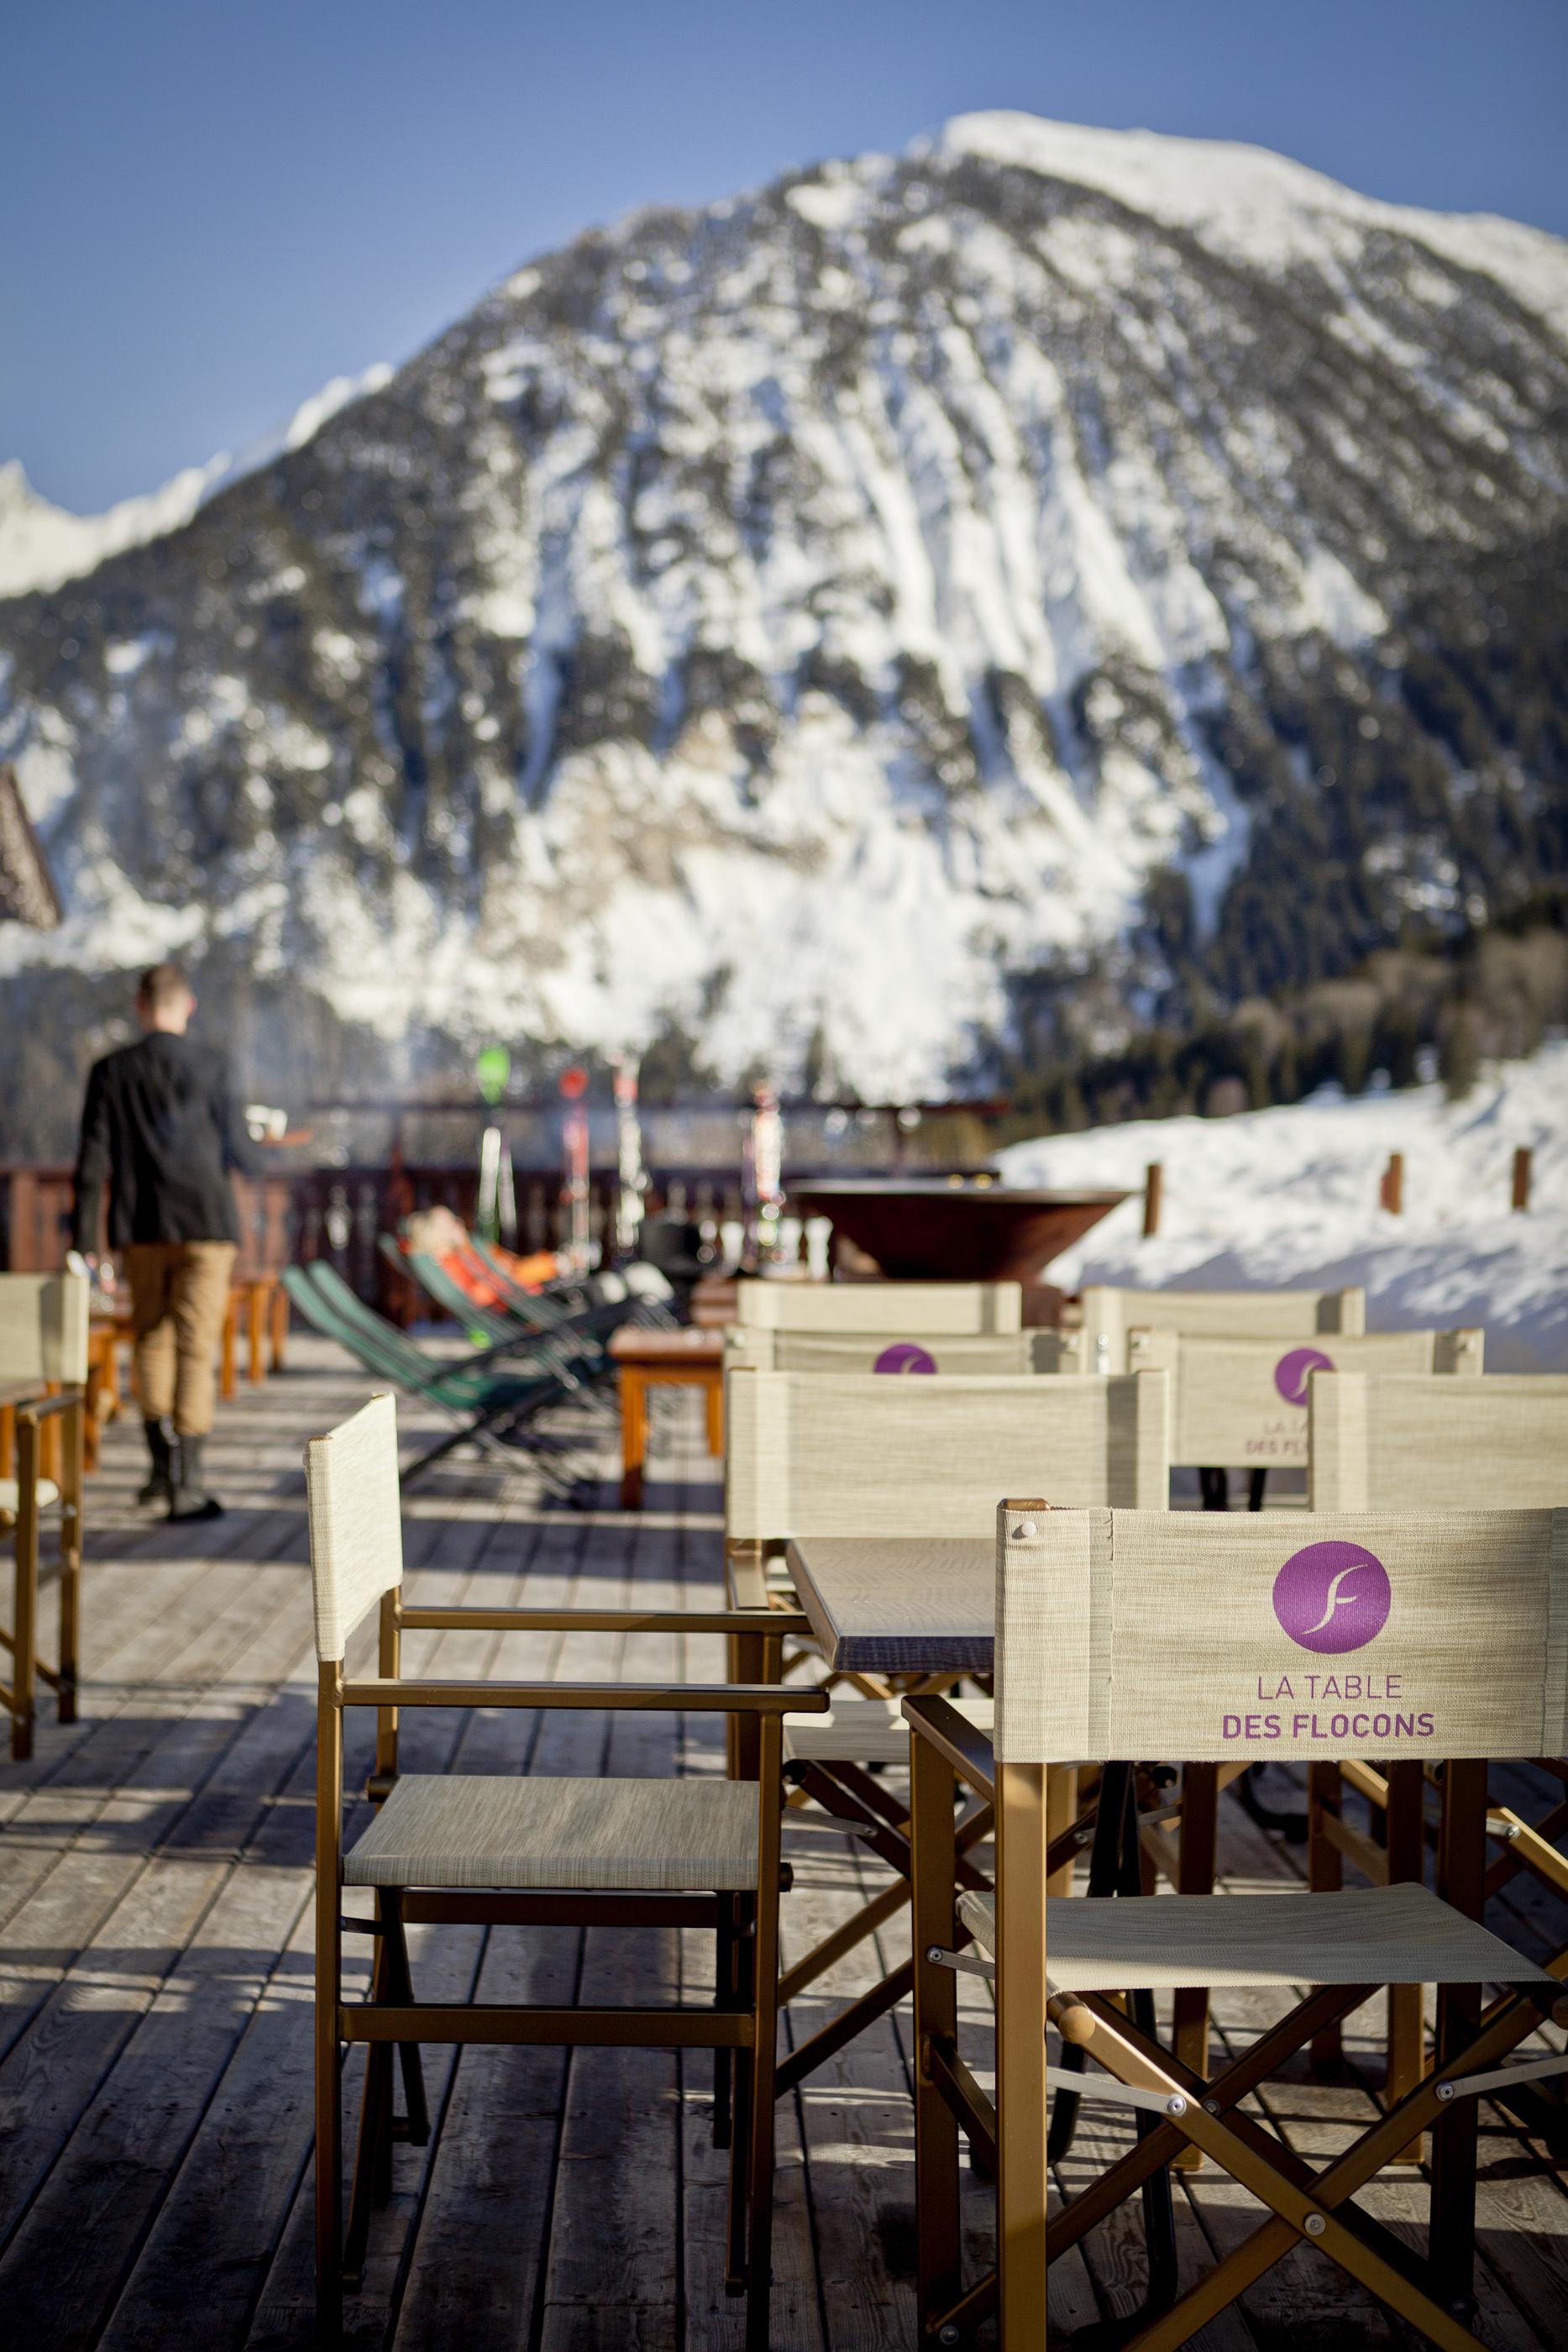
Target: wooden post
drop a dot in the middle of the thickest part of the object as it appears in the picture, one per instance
(1154, 1188)
(1391, 1191)
(1521, 1177)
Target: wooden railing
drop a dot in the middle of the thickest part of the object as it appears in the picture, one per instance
(338, 1214)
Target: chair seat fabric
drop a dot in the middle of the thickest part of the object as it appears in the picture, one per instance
(11, 1494)
(474, 1829)
(864, 1731)
(1375, 1935)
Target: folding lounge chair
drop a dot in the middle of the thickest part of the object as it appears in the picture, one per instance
(496, 1408)
(645, 1290)
(813, 1454)
(43, 1339)
(572, 1346)
(1119, 1633)
(1382, 1443)
(525, 1852)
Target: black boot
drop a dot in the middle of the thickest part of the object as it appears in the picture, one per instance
(160, 1487)
(190, 1499)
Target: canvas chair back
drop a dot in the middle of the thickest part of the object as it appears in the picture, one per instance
(43, 1326)
(1380, 1442)
(897, 1309)
(1005, 1355)
(1243, 1402)
(1221, 1638)
(816, 1453)
(1109, 1315)
(356, 1520)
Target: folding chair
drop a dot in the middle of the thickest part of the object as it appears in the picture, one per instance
(1120, 1633)
(1110, 1313)
(899, 1309)
(1004, 1355)
(1382, 1443)
(1245, 1401)
(43, 1350)
(810, 1454)
(524, 1852)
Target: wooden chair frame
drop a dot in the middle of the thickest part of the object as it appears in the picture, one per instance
(1394, 1845)
(1452, 1353)
(848, 1793)
(44, 1363)
(1193, 2111)
(32, 1420)
(742, 2022)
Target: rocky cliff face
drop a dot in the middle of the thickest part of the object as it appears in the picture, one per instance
(821, 623)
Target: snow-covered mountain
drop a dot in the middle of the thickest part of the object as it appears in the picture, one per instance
(43, 545)
(818, 623)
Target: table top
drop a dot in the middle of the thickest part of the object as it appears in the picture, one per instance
(900, 1604)
(668, 1350)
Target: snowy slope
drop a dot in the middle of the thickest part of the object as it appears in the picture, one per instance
(830, 622)
(42, 544)
(1290, 1196)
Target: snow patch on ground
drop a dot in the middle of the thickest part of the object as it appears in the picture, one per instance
(1290, 1196)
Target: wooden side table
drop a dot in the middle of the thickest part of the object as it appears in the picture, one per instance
(646, 1360)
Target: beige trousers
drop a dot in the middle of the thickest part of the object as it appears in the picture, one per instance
(179, 1291)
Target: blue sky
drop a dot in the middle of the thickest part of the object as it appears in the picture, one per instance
(211, 207)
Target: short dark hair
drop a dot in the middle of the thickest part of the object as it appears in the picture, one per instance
(161, 985)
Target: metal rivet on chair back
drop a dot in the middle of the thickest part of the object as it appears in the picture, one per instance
(356, 1520)
(1243, 1402)
(1110, 1313)
(1382, 1442)
(814, 1454)
(43, 1326)
(899, 1309)
(1124, 1634)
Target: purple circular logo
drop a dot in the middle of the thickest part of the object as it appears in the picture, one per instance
(904, 1357)
(1292, 1372)
(1332, 1597)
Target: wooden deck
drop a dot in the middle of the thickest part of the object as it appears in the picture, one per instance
(155, 2043)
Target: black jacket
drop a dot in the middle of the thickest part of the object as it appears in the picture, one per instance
(160, 1125)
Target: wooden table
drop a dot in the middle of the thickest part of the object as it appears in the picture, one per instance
(646, 1360)
(900, 1605)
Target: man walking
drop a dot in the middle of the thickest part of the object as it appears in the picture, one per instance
(160, 1127)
